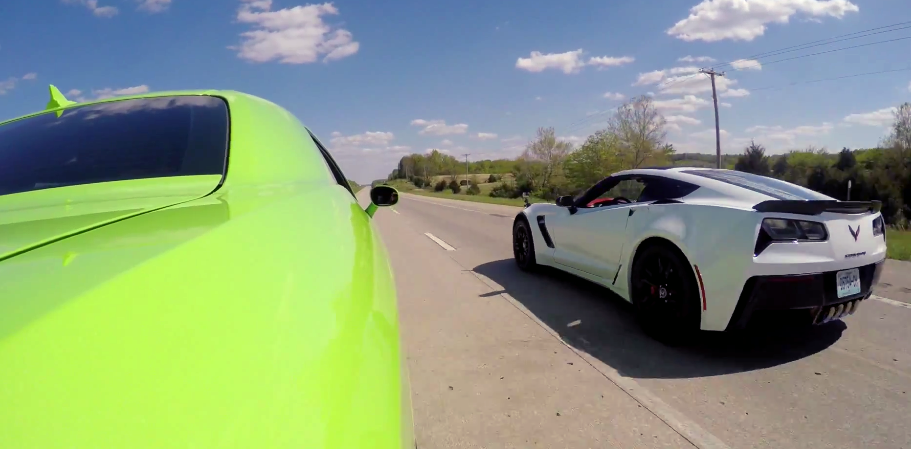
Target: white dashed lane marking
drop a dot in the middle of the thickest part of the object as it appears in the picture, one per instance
(439, 242)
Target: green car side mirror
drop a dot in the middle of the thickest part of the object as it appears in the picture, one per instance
(382, 196)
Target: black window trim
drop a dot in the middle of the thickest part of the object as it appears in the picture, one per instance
(333, 167)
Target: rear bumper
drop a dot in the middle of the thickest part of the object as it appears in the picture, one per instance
(814, 294)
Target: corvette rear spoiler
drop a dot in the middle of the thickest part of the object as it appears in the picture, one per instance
(816, 207)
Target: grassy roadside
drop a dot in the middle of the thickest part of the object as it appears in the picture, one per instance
(475, 198)
(898, 244)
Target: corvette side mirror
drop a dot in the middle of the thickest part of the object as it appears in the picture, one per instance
(382, 196)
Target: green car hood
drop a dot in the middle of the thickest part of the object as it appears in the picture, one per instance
(37, 217)
(256, 317)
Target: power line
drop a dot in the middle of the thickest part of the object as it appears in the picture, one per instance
(816, 43)
(828, 79)
(824, 52)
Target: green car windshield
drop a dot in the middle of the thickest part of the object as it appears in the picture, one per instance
(115, 141)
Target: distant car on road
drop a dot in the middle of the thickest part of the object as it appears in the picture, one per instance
(708, 249)
(191, 269)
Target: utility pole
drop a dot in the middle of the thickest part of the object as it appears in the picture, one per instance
(467, 182)
(712, 74)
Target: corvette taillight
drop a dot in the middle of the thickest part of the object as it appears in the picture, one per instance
(879, 226)
(785, 230)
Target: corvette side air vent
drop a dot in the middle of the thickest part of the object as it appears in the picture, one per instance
(544, 233)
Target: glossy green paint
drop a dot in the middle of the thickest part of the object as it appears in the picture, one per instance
(169, 313)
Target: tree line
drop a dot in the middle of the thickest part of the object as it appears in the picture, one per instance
(635, 137)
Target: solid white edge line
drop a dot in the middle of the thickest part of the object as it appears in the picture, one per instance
(891, 301)
(674, 419)
(397, 212)
(439, 242)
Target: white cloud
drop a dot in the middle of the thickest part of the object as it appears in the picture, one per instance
(575, 140)
(92, 5)
(909, 86)
(538, 98)
(73, 93)
(688, 84)
(369, 138)
(295, 35)
(568, 62)
(689, 103)
(335, 134)
(881, 118)
(746, 64)
(378, 143)
(682, 119)
(30, 76)
(683, 70)
(661, 76)
(715, 20)
(649, 78)
(724, 105)
(603, 62)
(8, 85)
(709, 134)
(446, 142)
(788, 136)
(439, 127)
(735, 93)
(154, 6)
(614, 96)
(696, 59)
(108, 92)
(486, 136)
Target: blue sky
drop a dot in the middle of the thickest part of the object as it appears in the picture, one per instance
(377, 80)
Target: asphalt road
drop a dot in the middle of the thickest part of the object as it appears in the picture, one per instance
(499, 358)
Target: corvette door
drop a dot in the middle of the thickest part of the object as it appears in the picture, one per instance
(591, 240)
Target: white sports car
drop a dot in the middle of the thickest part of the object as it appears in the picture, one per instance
(707, 248)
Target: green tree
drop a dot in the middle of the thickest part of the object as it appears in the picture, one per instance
(640, 132)
(548, 151)
(753, 160)
(846, 160)
(598, 157)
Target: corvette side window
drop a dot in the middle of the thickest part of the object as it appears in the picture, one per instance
(628, 188)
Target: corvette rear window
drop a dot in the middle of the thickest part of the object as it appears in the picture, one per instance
(774, 188)
(115, 141)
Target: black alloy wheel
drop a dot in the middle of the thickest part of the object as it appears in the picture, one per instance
(665, 295)
(523, 246)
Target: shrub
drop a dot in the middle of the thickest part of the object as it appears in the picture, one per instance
(440, 186)
(454, 186)
(474, 189)
(419, 182)
(505, 190)
(493, 178)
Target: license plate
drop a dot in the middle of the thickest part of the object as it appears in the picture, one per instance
(848, 282)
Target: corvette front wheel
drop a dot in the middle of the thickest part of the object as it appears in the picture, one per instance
(523, 246)
(665, 295)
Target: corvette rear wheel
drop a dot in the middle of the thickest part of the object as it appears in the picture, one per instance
(523, 246)
(665, 295)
